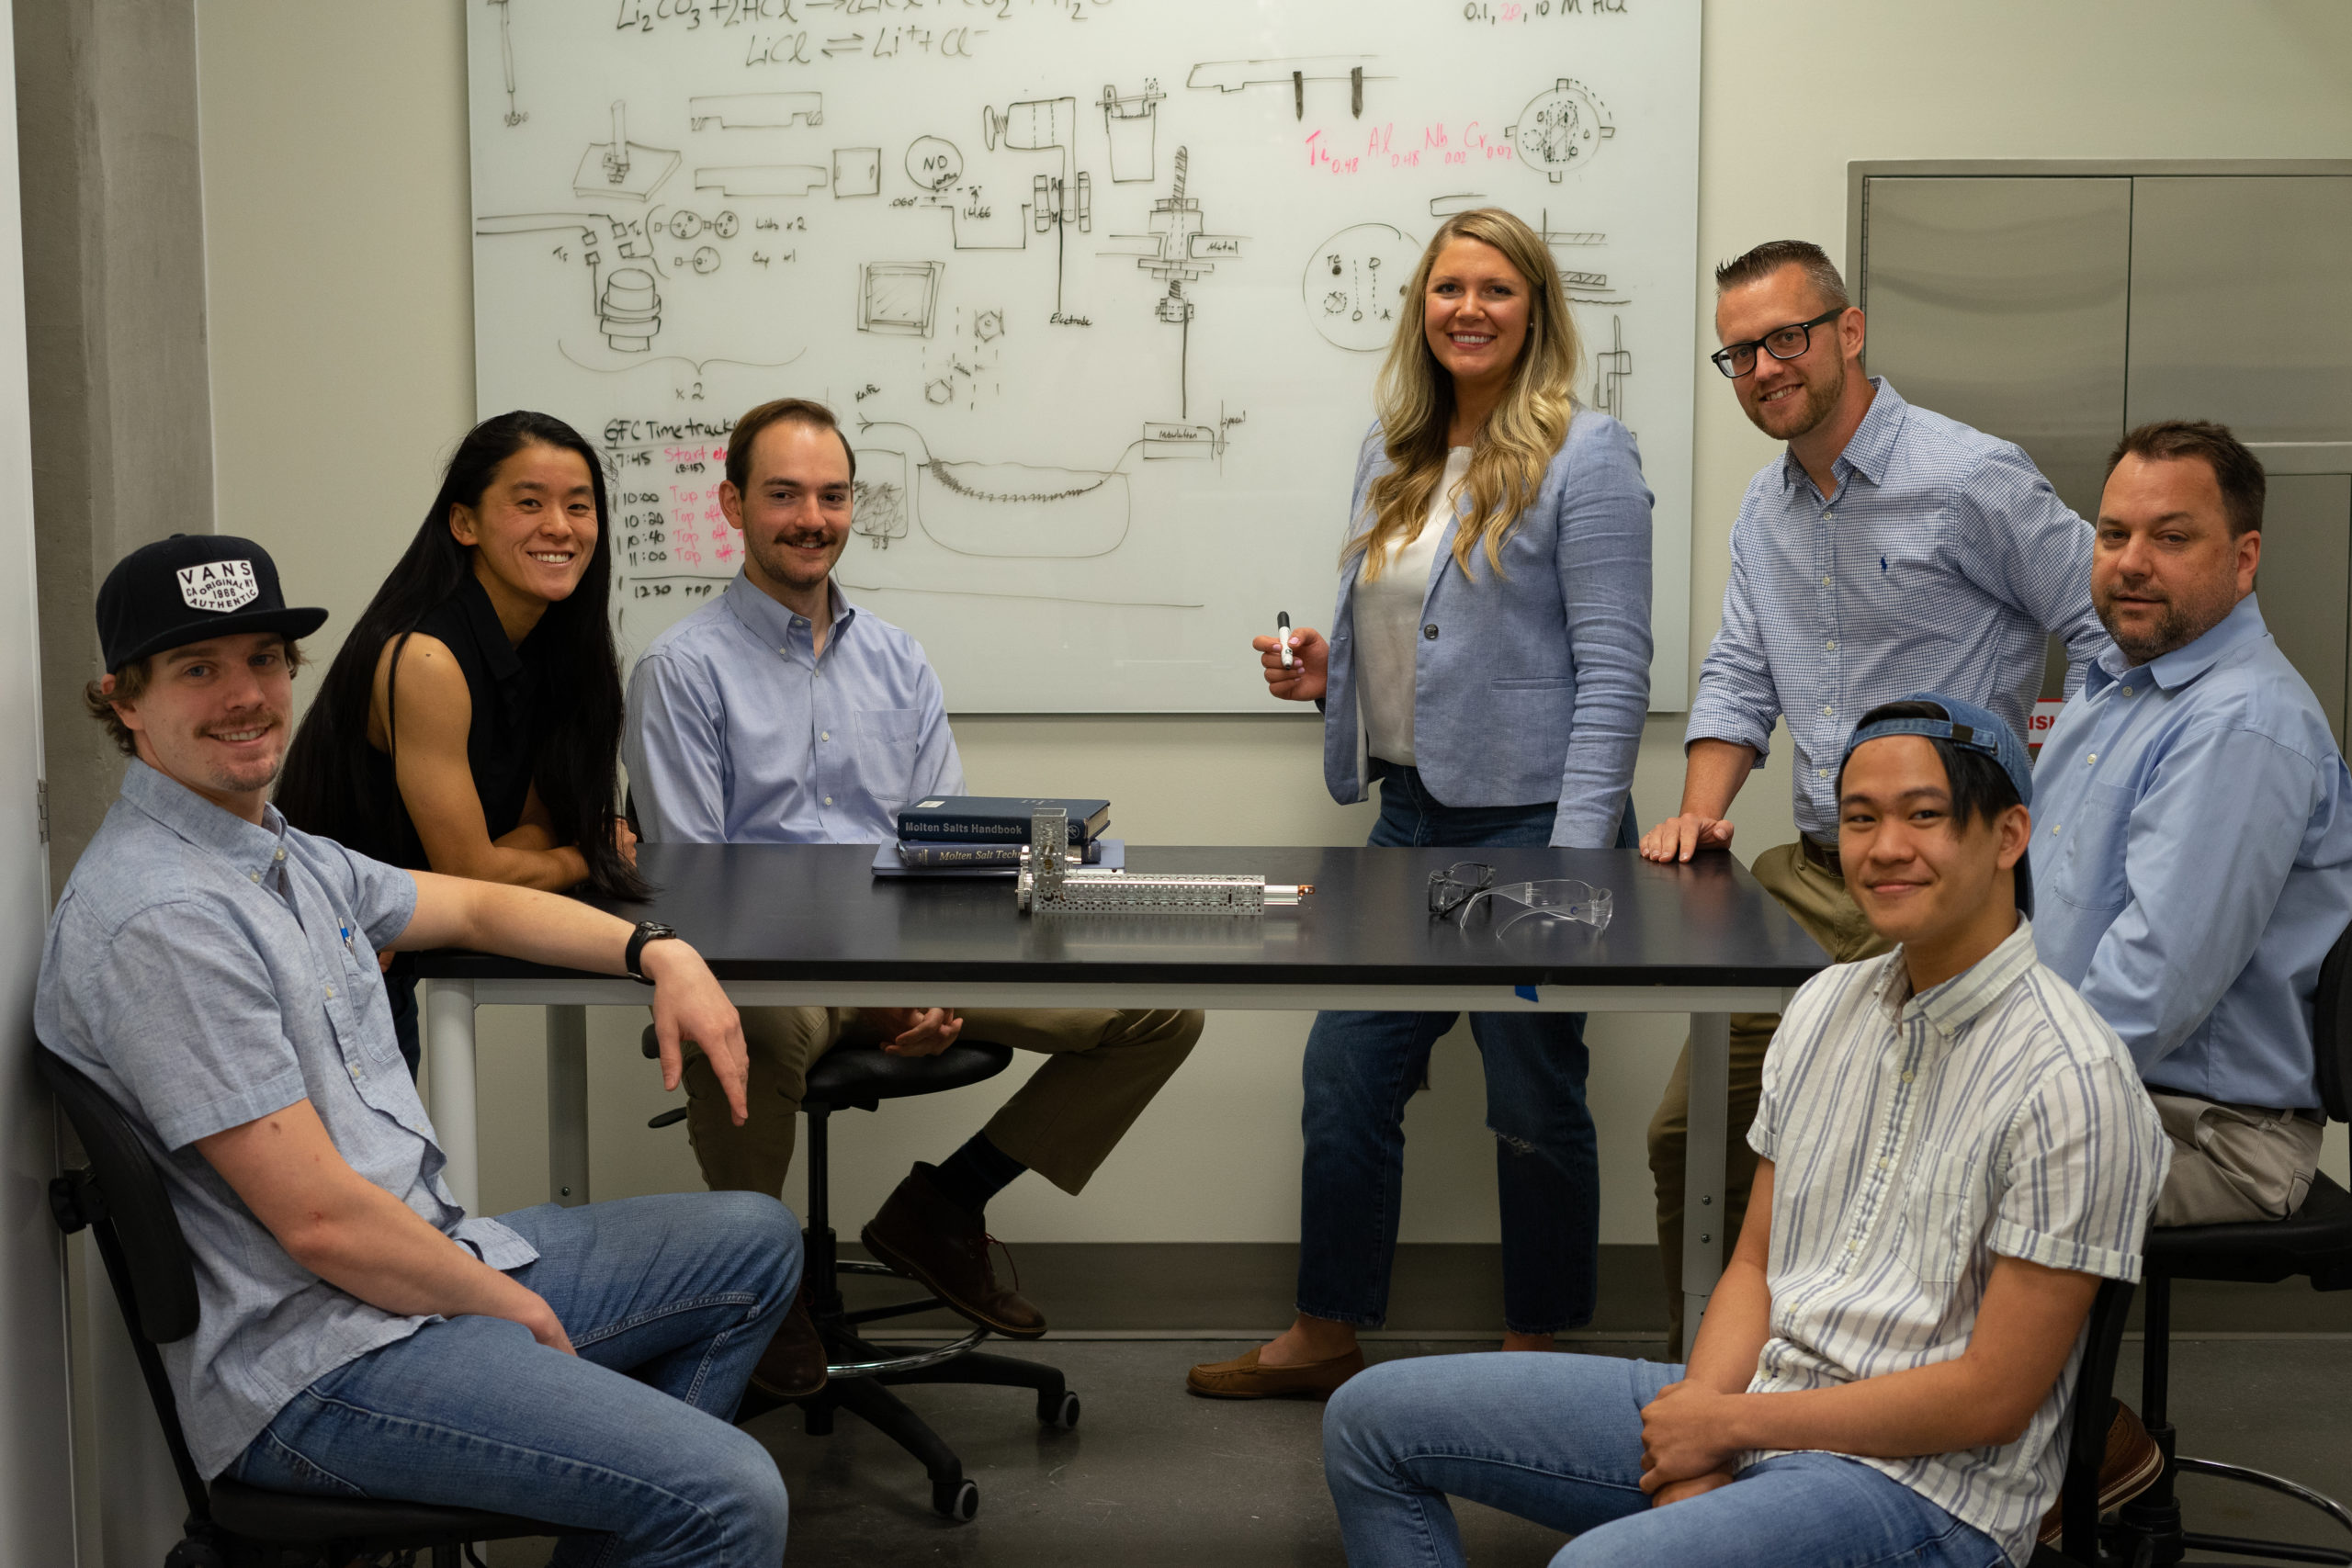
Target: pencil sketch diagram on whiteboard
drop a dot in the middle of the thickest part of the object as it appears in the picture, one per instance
(1097, 290)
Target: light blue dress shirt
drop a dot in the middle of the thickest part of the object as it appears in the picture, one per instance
(204, 972)
(2193, 860)
(1937, 567)
(740, 733)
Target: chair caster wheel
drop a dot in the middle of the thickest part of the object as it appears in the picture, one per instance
(956, 1500)
(1058, 1410)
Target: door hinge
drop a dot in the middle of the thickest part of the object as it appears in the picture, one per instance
(40, 800)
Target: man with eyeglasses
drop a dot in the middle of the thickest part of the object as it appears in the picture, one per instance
(1889, 549)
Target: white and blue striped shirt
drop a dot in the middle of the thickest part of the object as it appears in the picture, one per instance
(1937, 567)
(1915, 1137)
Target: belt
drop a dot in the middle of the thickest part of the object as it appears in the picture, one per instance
(1820, 854)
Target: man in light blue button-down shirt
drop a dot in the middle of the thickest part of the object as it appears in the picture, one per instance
(212, 971)
(781, 714)
(2193, 846)
(1888, 551)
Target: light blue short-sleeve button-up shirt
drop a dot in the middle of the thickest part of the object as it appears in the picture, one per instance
(204, 972)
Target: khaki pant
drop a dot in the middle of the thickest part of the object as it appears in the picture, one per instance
(1105, 1068)
(1828, 914)
(2232, 1163)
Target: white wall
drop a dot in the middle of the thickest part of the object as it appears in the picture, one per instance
(342, 371)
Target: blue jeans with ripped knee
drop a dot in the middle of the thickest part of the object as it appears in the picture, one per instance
(1362, 1068)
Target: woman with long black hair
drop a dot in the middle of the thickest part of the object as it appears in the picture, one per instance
(471, 725)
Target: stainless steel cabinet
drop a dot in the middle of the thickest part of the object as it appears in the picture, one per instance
(2057, 305)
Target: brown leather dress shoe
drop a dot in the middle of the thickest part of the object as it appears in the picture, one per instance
(1243, 1377)
(2131, 1466)
(924, 1235)
(792, 1367)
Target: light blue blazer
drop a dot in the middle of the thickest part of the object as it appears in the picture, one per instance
(1532, 685)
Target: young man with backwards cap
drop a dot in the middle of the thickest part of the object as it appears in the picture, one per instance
(1953, 1150)
(213, 971)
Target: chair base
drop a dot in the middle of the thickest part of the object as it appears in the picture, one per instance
(868, 1397)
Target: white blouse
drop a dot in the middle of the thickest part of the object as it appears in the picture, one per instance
(1388, 622)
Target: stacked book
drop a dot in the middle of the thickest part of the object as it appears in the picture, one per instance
(988, 832)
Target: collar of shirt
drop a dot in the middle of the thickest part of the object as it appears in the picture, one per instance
(786, 631)
(1955, 1004)
(2178, 669)
(505, 661)
(258, 850)
(1869, 449)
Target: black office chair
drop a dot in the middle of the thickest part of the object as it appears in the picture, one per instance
(2315, 1243)
(2087, 1419)
(859, 1372)
(120, 1197)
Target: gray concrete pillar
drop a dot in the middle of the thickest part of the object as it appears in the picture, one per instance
(115, 325)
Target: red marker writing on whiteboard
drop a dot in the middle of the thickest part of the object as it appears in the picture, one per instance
(1282, 635)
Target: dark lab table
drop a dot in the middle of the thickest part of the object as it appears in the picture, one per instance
(810, 925)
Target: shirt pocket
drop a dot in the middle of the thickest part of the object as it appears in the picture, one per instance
(885, 750)
(1940, 1218)
(2089, 872)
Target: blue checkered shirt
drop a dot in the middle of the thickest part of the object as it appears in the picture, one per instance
(1937, 565)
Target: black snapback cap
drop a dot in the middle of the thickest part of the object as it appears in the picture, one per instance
(190, 587)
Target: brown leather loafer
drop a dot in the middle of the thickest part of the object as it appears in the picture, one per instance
(1243, 1377)
(927, 1237)
(792, 1367)
(2131, 1466)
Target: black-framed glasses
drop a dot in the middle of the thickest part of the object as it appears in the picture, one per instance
(1737, 359)
(1456, 885)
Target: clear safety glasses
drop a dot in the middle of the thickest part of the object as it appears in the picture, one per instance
(1552, 900)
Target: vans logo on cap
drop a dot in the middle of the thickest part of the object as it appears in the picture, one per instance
(218, 586)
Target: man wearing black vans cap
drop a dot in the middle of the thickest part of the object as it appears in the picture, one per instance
(211, 970)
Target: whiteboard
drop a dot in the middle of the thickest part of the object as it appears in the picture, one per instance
(1097, 288)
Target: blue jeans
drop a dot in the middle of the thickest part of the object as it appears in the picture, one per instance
(1558, 1439)
(1362, 1068)
(669, 1301)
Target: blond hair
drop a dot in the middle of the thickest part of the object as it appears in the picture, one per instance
(1510, 452)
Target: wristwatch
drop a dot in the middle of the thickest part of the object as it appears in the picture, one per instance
(647, 930)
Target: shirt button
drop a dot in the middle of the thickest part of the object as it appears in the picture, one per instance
(1906, 1078)
(1853, 1246)
(1821, 772)
(828, 800)
(1831, 645)
(1882, 1165)
(279, 855)
(1827, 709)
(256, 876)
(1430, 631)
(2053, 828)
(824, 735)
(1825, 582)
(329, 990)
(2089, 760)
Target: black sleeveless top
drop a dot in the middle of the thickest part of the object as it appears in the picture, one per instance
(505, 682)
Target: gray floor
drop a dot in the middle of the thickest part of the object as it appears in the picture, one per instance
(1153, 1477)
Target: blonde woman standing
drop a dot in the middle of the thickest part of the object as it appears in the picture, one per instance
(1492, 639)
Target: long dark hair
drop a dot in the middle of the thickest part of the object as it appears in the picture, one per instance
(325, 788)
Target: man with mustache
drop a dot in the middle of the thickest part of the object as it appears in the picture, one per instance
(2194, 852)
(1888, 549)
(213, 970)
(781, 713)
